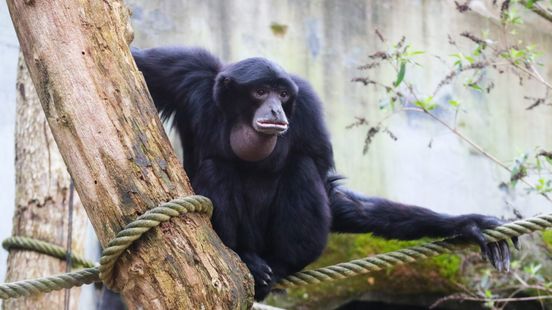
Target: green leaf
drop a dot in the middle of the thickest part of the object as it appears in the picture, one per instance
(414, 53)
(529, 4)
(400, 76)
(426, 104)
(475, 86)
(454, 103)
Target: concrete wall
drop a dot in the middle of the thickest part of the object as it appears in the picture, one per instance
(9, 49)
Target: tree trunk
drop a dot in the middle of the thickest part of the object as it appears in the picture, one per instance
(42, 200)
(111, 139)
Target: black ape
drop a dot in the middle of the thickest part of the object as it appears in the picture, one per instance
(255, 143)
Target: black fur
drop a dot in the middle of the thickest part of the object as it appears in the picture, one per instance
(275, 213)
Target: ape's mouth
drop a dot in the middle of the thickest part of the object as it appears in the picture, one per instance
(271, 126)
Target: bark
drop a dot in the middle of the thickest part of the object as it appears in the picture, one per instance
(42, 200)
(108, 132)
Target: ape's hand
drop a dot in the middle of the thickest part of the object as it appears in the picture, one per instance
(471, 228)
(262, 274)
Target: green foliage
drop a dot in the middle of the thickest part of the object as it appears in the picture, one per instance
(543, 186)
(473, 85)
(401, 57)
(426, 104)
(454, 103)
(519, 56)
(547, 238)
(462, 59)
(400, 75)
(530, 3)
(519, 169)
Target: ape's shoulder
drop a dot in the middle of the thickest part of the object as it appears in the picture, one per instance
(308, 128)
(307, 100)
(308, 106)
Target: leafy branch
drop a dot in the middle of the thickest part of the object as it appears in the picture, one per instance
(401, 95)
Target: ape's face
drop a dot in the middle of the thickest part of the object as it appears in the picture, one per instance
(257, 96)
(265, 113)
(270, 117)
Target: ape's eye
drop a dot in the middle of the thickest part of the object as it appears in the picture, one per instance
(284, 94)
(260, 91)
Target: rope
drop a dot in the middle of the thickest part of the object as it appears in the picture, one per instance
(111, 253)
(164, 212)
(410, 254)
(26, 243)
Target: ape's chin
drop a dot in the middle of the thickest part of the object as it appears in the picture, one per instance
(251, 145)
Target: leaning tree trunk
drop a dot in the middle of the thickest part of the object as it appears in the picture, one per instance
(42, 200)
(111, 139)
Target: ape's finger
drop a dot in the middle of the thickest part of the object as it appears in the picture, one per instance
(505, 255)
(484, 252)
(515, 241)
(490, 255)
(474, 233)
(496, 255)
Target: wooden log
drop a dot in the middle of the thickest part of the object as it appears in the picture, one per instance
(42, 201)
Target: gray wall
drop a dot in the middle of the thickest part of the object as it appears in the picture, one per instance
(9, 49)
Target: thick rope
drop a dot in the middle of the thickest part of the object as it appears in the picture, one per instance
(26, 243)
(111, 253)
(410, 254)
(202, 204)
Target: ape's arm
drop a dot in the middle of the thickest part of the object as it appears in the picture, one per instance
(177, 75)
(354, 213)
(180, 81)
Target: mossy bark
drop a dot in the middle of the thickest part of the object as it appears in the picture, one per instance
(108, 132)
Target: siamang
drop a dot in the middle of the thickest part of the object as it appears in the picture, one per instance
(255, 142)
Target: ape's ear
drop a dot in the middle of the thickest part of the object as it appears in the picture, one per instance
(223, 81)
(223, 84)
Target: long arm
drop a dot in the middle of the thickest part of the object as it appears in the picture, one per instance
(180, 81)
(354, 213)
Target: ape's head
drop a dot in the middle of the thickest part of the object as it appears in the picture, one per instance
(257, 96)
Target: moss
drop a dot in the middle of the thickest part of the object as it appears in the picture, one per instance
(435, 275)
(547, 238)
(448, 266)
(345, 247)
(279, 30)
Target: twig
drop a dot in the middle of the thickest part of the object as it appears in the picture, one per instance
(534, 74)
(539, 10)
(462, 297)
